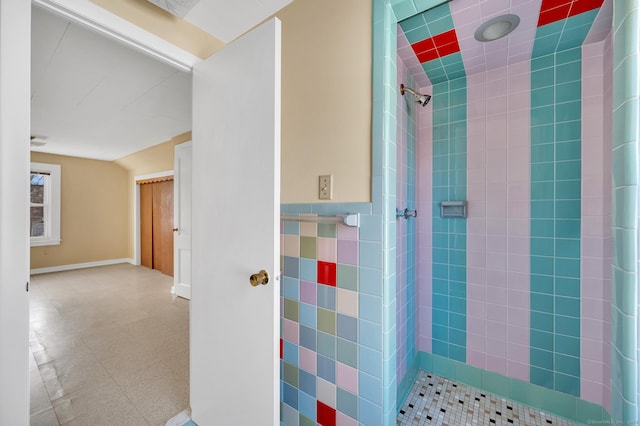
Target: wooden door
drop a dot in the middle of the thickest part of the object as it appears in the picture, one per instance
(146, 225)
(163, 227)
(156, 225)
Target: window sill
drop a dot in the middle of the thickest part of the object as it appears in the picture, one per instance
(45, 242)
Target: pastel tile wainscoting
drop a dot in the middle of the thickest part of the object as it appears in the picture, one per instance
(332, 315)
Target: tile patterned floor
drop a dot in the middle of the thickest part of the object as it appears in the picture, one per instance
(437, 401)
(108, 346)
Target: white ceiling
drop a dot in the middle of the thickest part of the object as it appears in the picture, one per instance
(94, 97)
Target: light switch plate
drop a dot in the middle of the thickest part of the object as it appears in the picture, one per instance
(325, 190)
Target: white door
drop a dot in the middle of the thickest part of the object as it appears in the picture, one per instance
(182, 168)
(236, 207)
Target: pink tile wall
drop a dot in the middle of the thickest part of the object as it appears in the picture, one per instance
(498, 222)
(595, 274)
(424, 150)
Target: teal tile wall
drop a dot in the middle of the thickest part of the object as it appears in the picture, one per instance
(555, 220)
(449, 320)
(625, 354)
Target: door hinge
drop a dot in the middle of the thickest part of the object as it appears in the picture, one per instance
(27, 286)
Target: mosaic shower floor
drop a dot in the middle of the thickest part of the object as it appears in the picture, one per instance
(435, 400)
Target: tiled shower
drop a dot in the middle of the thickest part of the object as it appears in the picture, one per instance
(533, 296)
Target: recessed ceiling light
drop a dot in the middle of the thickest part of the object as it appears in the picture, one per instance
(497, 27)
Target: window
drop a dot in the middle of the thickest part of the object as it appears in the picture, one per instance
(44, 211)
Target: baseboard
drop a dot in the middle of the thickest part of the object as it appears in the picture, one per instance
(551, 401)
(81, 266)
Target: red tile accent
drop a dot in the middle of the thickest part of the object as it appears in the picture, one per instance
(448, 49)
(423, 46)
(437, 46)
(445, 38)
(327, 273)
(325, 415)
(557, 13)
(281, 349)
(556, 10)
(581, 6)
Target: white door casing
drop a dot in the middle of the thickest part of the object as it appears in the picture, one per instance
(15, 72)
(182, 167)
(236, 208)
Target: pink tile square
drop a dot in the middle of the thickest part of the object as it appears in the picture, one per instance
(518, 370)
(344, 420)
(308, 292)
(497, 331)
(347, 232)
(291, 331)
(476, 342)
(308, 360)
(593, 392)
(347, 377)
(327, 249)
(497, 313)
(476, 359)
(348, 252)
(518, 335)
(495, 347)
(497, 364)
(477, 326)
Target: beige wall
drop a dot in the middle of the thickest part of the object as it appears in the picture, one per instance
(156, 159)
(93, 212)
(326, 99)
(326, 90)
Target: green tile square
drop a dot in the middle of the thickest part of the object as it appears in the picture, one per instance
(290, 374)
(544, 95)
(291, 309)
(347, 403)
(570, 150)
(590, 413)
(541, 359)
(469, 375)
(568, 189)
(568, 131)
(543, 153)
(542, 209)
(567, 345)
(327, 230)
(567, 307)
(526, 393)
(542, 190)
(541, 340)
(567, 92)
(496, 383)
(347, 352)
(567, 365)
(542, 115)
(543, 322)
(542, 227)
(567, 267)
(567, 325)
(566, 170)
(347, 277)
(559, 403)
(567, 228)
(542, 134)
(568, 111)
(444, 367)
(567, 209)
(308, 247)
(326, 345)
(567, 247)
(327, 321)
(571, 71)
(541, 265)
(542, 284)
(305, 421)
(541, 377)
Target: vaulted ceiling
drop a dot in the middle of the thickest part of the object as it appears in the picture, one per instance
(439, 44)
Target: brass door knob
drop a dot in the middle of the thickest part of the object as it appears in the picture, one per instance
(261, 277)
(175, 229)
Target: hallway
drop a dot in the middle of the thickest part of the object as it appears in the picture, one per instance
(108, 345)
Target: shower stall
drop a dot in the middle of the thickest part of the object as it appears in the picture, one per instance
(515, 298)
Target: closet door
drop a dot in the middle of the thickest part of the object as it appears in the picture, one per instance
(163, 227)
(146, 225)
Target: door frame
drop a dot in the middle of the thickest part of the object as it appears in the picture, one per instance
(136, 211)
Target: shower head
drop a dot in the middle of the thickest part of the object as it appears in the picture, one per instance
(420, 98)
